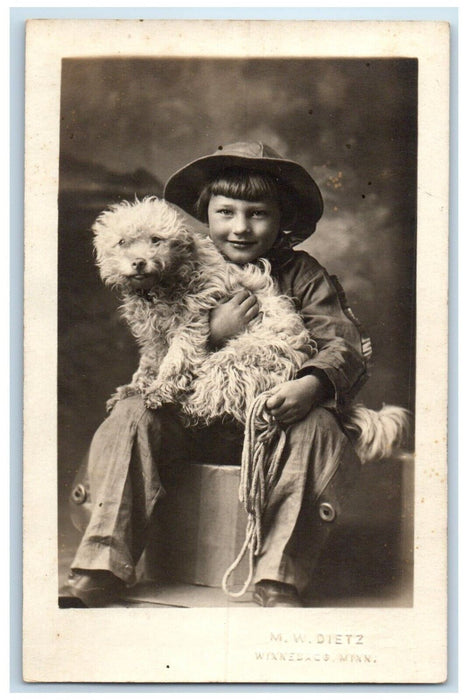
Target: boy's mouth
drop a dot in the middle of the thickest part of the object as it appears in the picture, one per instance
(242, 244)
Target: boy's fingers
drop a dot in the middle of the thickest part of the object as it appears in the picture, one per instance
(274, 402)
(252, 312)
(285, 415)
(248, 302)
(240, 297)
(279, 411)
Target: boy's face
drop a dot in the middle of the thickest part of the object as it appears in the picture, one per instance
(243, 231)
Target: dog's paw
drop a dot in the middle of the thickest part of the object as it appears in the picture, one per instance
(153, 400)
(110, 403)
(122, 392)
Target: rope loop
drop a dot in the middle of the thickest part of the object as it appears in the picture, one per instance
(264, 442)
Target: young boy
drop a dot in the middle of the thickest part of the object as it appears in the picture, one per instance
(257, 205)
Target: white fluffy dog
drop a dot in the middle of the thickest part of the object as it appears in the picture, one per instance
(171, 277)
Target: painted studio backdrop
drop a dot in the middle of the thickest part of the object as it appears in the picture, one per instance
(127, 124)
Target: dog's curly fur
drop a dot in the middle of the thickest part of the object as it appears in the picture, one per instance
(170, 321)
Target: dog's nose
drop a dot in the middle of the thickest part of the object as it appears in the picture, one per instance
(139, 264)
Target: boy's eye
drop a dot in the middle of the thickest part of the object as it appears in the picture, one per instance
(259, 212)
(226, 212)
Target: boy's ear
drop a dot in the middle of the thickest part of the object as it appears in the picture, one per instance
(288, 212)
(288, 221)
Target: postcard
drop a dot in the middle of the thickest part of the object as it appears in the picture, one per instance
(343, 129)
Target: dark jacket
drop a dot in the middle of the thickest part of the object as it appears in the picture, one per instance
(343, 348)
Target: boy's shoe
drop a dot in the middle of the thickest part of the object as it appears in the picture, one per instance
(272, 594)
(95, 589)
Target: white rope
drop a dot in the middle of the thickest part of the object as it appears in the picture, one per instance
(264, 442)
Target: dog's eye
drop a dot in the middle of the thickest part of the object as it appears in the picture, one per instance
(122, 241)
(155, 239)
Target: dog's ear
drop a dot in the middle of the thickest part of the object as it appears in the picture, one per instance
(184, 245)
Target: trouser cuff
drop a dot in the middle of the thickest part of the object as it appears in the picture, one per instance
(94, 557)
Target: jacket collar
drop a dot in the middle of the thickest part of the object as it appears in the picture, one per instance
(280, 252)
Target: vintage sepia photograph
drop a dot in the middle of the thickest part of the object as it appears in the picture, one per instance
(347, 133)
(239, 331)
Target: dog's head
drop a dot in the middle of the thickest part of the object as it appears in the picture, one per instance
(142, 245)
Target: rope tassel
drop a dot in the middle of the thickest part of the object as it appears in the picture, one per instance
(264, 442)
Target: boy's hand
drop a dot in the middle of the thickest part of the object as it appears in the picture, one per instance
(230, 318)
(291, 401)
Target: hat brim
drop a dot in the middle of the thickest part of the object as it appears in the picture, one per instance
(184, 187)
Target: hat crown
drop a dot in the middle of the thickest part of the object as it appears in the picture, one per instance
(248, 149)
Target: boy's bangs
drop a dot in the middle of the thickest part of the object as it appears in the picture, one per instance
(244, 185)
(248, 185)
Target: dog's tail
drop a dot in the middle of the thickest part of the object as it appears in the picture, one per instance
(376, 434)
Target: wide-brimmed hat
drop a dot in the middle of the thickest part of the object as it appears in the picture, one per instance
(184, 187)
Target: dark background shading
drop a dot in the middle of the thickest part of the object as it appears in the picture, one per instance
(127, 124)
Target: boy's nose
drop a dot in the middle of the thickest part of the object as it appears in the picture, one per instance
(240, 224)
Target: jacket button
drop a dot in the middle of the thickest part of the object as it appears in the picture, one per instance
(327, 512)
(79, 494)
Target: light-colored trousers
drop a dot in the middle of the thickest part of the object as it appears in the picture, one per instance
(137, 455)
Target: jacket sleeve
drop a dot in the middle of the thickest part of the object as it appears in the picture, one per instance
(337, 333)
